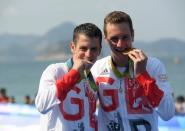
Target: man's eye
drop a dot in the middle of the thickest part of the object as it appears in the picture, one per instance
(125, 37)
(114, 39)
(83, 49)
(94, 49)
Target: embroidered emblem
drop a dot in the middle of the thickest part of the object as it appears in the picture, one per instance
(104, 72)
(163, 77)
(136, 102)
(116, 126)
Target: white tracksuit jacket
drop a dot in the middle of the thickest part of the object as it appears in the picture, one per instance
(74, 113)
(123, 104)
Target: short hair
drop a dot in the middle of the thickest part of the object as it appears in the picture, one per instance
(180, 99)
(88, 29)
(117, 17)
(3, 91)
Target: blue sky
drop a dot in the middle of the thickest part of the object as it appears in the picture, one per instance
(152, 19)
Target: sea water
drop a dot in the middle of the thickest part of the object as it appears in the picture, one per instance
(23, 78)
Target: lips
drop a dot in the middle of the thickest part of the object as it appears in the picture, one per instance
(118, 50)
(127, 50)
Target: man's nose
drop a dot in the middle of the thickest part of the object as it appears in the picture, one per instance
(88, 53)
(120, 43)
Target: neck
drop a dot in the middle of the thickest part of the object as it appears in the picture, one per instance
(120, 62)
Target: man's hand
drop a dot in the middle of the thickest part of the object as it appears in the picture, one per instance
(81, 64)
(139, 59)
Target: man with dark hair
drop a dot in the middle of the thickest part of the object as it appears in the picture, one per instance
(133, 88)
(180, 105)
(65, 97)
(3, 96)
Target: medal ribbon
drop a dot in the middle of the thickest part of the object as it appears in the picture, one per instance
(87, 74)
(127, 73)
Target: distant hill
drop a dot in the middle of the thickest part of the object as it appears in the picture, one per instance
(163, 47)
(17, 47)
(9, 39)
(54, 45)
(59, 33)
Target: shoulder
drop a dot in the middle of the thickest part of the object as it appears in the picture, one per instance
(55, 67)
(102, 61)
(100, 65)
(154, 62)
(155, 67)
(53, 71)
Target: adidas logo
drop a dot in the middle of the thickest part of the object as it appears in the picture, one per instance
(104, 72)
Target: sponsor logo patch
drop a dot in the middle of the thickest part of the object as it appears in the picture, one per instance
(163, 77)
(104, 72)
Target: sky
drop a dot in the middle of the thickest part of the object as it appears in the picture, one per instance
(152, 19)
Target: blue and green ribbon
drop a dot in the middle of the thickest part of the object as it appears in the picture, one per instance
(87, 74)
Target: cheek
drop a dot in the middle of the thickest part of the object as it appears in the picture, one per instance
(112, 47)
(81, 54)
(130, 43)
(95, 55)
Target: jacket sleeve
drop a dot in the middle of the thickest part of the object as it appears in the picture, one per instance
(166, 108)
(66, 83)
(53, 88)
(150, 88)
(157, 89)
(46, 96)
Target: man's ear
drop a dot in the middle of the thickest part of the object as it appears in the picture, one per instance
(133, 36)
(72, 47)
(106, 40)
(100, 51)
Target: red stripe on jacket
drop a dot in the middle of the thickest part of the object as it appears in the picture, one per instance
(66, 83)
(151, 90)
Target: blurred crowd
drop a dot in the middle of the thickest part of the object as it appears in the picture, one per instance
(4, 98)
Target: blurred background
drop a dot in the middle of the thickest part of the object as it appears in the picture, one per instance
(36, 33)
